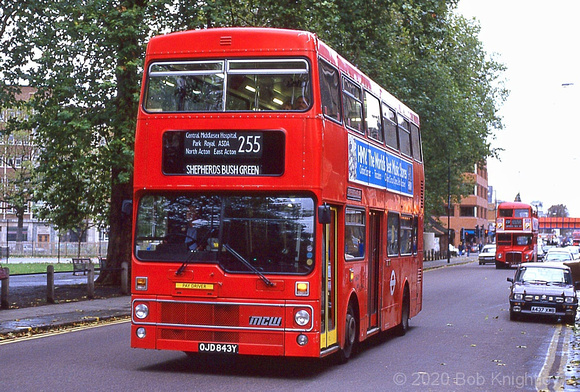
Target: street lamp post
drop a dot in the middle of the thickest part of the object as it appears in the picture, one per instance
(448, 212)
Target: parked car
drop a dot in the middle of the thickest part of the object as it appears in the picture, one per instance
(487, 254)
(575, 251)
(544, 289)
(559, 254)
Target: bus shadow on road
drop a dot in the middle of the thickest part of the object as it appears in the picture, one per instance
(274, 367)
(247, 366)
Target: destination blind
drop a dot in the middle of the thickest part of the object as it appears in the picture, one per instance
(223, 153)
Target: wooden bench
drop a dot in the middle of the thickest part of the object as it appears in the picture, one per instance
(81, 264)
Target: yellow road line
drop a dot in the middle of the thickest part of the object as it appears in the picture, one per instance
(545, 376)
(63, 330)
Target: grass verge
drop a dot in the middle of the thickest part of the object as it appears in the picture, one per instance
(36, 268)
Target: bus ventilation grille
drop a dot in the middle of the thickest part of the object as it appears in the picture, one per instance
(225, 40)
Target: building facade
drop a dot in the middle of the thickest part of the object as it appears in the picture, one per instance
(469, 220)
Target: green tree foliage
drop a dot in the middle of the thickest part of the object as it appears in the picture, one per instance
(558, 210)
(85, 58)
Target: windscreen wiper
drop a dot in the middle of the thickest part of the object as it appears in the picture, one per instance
(189, 257)
(249, 265)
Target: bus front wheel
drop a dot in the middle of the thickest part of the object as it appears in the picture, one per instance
(350, 332)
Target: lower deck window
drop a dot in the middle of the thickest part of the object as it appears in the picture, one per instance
(355, 229)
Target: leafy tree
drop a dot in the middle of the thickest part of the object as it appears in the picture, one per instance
(558, 210)
(85, 57)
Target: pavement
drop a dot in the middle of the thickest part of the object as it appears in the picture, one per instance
(14, 322)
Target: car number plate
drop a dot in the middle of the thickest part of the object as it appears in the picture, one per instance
(543, 309)
(223, 348)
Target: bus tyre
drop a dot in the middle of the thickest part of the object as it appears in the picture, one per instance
(350, 332)
(498, 265)
(403, 327)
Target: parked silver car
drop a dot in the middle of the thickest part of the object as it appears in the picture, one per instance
(487, 254)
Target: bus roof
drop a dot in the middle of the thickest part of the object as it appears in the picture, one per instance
(514, 204)
(260, 41)
(245, 40)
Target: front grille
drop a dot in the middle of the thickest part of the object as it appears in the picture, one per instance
(250, 337)
(201, 314)
(513, 257)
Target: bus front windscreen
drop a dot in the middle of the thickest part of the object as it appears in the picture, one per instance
(275, 234)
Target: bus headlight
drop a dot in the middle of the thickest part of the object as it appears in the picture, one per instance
(141, 311)
(302, 317)
(302, 340)
(141, 333)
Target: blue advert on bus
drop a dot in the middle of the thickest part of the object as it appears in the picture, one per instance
(373, 166)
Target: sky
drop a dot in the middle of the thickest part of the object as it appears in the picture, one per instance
(539, 43)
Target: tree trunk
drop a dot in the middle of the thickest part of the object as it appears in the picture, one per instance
(119, 249)
(20, 226)
(128, 76)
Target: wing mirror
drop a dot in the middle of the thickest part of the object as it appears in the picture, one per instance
(324, 216)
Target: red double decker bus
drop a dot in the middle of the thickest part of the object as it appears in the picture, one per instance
(278, 198)
(516, 228)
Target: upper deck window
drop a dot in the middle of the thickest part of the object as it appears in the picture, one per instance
(390, 127)
(404, 136)
(228, 85)
(185, 87)
(329, 90)
(373, 117)
(416, 142)
(514, 213)
(521, 213)
(352, 105)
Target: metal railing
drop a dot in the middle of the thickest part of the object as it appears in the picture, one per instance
(52, 249)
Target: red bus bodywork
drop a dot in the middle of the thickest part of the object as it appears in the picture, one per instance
(204, 307)
(516, 234)
(576, 238)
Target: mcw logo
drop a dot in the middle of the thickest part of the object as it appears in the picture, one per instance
(266, 321)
